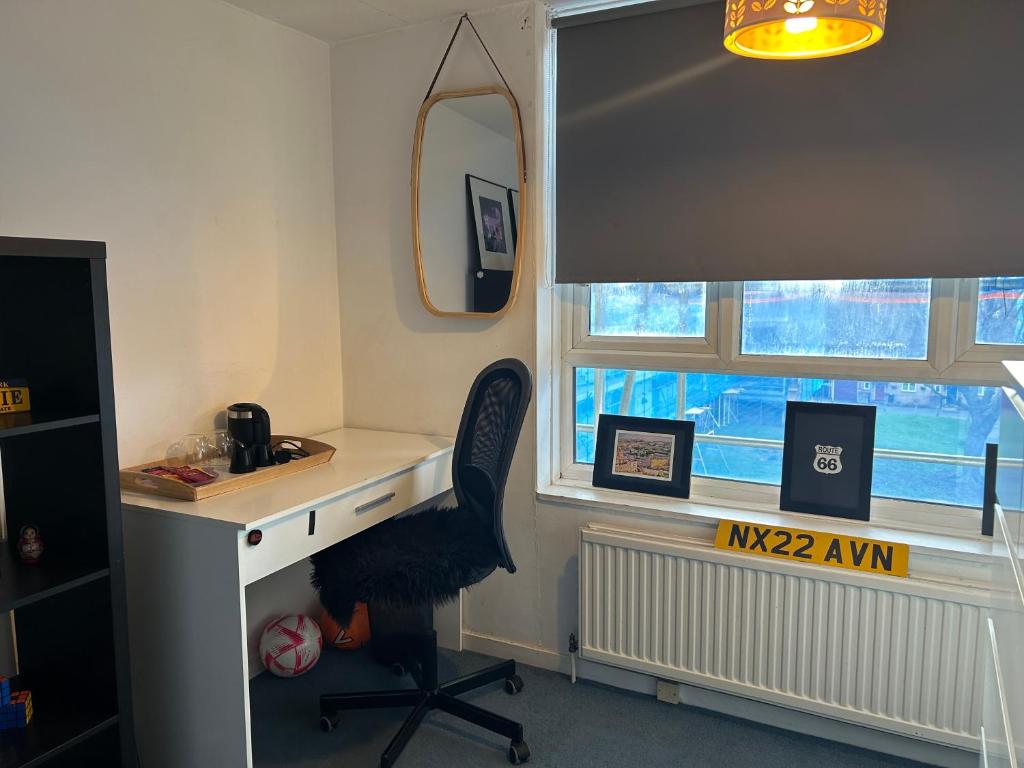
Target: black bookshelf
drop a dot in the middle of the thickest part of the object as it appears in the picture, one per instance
(59, 471)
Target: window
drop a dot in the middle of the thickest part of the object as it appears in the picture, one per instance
(1000, 311)
(928, 443)
(729, 355)
(882, 319)
(648, 309)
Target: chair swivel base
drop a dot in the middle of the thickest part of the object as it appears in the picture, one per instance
(443, 697)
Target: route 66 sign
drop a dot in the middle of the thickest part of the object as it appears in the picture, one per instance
(828, 459)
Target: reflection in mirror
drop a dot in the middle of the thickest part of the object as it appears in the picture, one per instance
(468, 203)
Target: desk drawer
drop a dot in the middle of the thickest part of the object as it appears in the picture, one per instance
(297, 537)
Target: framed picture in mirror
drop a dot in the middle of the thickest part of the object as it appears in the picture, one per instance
(493, 220)
(513, 207)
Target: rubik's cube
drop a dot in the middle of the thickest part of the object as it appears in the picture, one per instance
(17, 711)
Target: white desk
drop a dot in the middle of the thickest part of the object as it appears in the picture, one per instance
(188, 565)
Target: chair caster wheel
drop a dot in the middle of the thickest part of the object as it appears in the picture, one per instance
(518, 753)
(329, 722)
(513, 685)
(397, 669)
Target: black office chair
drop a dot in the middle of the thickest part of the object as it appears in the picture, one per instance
(405, 566)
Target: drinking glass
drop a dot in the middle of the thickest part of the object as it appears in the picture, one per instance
(192, 449)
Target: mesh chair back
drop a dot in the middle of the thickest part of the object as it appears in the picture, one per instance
(488, 433)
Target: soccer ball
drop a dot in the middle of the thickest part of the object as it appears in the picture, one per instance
(290, 646)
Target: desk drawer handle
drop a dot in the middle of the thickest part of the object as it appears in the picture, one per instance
(375, 503)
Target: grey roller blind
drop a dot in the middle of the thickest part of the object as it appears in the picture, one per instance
(678, 161)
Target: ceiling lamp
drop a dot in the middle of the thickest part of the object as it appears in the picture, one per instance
(802, 29)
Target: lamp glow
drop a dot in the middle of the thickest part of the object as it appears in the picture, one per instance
(801, 24)
(802, 29)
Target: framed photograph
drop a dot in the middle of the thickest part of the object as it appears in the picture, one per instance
(644, 455)
(827, 459)
(513, 207)
(493, 219)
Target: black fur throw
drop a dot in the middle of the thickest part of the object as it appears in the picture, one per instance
(407, 561)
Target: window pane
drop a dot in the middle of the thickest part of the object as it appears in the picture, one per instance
(647, 309)
(740, 424)
(1001, 310)
(880, 319)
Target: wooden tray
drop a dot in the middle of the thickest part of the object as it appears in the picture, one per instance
(135, 480)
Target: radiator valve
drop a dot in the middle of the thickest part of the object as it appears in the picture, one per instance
(574, 648)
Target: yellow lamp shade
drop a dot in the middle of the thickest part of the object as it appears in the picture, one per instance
(802, 29)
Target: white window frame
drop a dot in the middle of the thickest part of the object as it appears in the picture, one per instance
(954, 306)
(937, 356)
(718, 351)
(968, 349)
(707, 344)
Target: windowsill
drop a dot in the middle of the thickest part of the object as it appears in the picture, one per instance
(976, 549)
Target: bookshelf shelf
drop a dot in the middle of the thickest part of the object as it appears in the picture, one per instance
(51, 737)
(15, 424)
(22, 584)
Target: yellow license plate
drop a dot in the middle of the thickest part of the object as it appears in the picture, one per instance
(14, 397)
(830, 549)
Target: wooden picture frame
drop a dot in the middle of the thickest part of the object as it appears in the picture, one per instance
(827, 459)
(644, 455)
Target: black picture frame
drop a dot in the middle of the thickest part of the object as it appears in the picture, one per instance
(811, 482)
(492, 224)
(610, 433)
(513, 209)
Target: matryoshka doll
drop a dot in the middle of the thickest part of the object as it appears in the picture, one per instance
(30, 545)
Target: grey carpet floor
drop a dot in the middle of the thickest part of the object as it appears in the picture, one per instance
(567, 726)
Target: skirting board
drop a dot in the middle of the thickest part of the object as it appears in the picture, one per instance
(728, 704)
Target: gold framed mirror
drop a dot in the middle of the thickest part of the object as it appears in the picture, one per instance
(469, 202)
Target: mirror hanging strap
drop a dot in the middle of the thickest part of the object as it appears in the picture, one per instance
(448, 50)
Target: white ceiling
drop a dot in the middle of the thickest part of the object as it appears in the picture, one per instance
(335, 20)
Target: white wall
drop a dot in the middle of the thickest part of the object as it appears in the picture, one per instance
(195, 139)
(454, 145)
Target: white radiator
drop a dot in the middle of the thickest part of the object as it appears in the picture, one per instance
(901, 655)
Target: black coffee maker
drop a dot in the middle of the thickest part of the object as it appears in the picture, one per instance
(249, 427)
